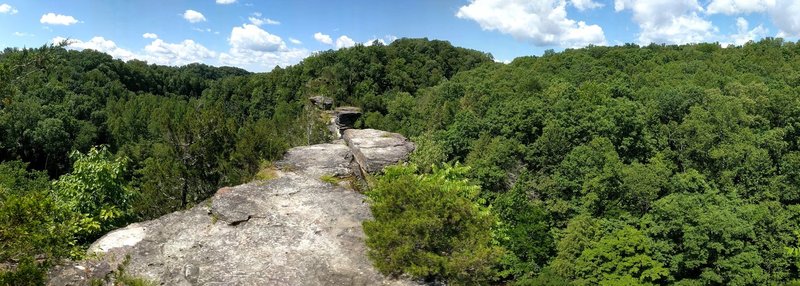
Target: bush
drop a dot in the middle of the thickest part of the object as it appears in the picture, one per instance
(431, 226)
(96, 191)
(35, 229)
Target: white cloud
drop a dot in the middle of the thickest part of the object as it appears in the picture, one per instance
(149, 36)
(543, 23)
(262, 61)
(193, 16)
(157, 52)
(372, 41)
(785, 16)
(57, 19)
(182, 53)
(744, 34)
(7, 9)
(386, 39)
(295, 41)
(22, 34)
(668, 21)
(255, 49)
(251, 48)
(782, 12)
(322, 38)
(585, 4)
(99, 44)
(226, 2)
(261, 21)
(251, 37)
(732, 7)
(344, 42)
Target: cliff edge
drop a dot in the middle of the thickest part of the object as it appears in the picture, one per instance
(303, 227)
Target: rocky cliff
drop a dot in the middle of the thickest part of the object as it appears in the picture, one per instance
(303, 227)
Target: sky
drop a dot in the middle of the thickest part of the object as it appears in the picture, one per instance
(259, 35)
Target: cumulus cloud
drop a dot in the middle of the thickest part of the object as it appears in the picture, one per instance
(226, 2)
(672, 22)
(193, 16)
(344, 42)
(251, 48)
(262, 61)
(784, 15)
(255, 49)
(57, 19)
(251, 37)
(185, 52)
(99, 44)
(322, 38)
(745, 34)
(543, 23)
(585, 4)
(7, 9)
(295, 41)
(782, 12)
(157, 52)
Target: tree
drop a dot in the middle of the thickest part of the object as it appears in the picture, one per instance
(431, 226)
(36, 229)
(97, 190)
(706, 238)
(624, 255)
(524, 230)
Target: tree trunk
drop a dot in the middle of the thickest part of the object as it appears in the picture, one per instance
(184, 193)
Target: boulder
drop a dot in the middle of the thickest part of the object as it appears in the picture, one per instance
(376, 149)
(322, 102)
(80, 272)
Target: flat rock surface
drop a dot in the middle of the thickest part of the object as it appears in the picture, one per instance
(291, 230)
(375, 149)
(317, 160)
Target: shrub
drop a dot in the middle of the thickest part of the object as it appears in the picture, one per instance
(96, 190)
(35, 229)
(431, 226)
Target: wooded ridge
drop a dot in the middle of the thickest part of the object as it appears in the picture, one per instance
(624, 165)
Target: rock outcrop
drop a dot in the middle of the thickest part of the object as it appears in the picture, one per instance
(345, 117)
(375, 149)
(300, 228)
(322, 102)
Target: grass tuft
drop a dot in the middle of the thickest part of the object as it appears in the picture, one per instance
(330, 179)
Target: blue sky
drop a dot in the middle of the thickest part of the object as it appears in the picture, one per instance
(257, 35)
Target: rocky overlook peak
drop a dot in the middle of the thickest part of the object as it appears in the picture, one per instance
(302, 227)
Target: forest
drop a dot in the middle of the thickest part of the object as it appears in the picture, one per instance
(624, 165)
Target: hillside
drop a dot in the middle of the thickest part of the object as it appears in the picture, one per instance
(168, 137)
(625, 165)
